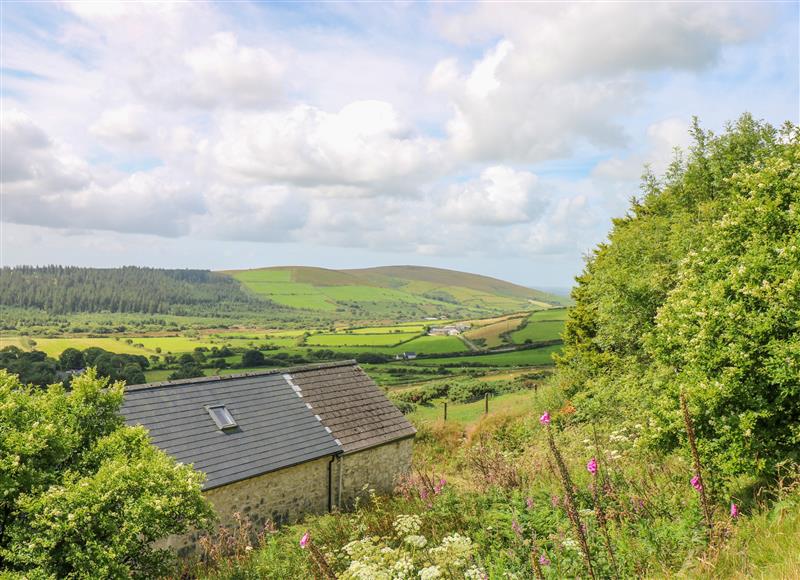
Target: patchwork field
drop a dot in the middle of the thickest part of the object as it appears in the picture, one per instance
(359, 339)
(517, 358)
(491, 334)
(399, 328)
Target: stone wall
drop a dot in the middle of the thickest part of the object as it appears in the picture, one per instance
(376, 468)
(282, 496)
(286, 495)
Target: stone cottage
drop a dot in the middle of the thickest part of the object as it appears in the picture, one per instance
(278, 444)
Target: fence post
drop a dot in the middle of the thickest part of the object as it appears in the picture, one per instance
(486, 404)
(445, 411)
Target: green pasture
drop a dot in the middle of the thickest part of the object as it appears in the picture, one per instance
(541, 330)
(400, 328)
(469, 413)
(359, 339)
(432, 345)
(517, 358)
(551, 314)
(173, 343)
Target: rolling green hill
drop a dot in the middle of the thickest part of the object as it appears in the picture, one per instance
(296, 295)
(393, 292)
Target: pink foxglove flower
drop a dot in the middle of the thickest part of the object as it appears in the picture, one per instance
(529, 502)
(304, 540)
(545, 418)
(516, 527)
(544, 560)
(734, 510)
(591, 467)
(696, 483)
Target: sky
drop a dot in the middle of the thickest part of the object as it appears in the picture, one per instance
(496, 138)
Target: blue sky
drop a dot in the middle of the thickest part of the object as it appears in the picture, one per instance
(495, 138)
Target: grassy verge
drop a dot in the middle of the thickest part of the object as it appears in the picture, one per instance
(470, 413)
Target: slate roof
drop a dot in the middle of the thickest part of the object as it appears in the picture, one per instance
(284, 417)
(275, 429)
(352, 406)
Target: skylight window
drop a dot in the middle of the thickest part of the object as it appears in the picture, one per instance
(222, 417)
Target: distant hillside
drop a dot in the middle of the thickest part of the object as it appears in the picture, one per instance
(66, 290)
(392, 291)
(280, 293)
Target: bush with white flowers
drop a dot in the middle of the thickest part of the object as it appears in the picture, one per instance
(408, 554)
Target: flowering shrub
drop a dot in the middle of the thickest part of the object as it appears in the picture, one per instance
(406, 554)
(696, 290)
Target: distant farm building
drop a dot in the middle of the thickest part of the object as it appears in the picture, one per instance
(449, 330)
(279, 444)
(405, 356)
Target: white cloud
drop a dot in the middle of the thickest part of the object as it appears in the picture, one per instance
(501, 196)
(125, 124)
(32, 162)
(565, 75)
(572, 40)
(363, 149)
(44, 183)
(503, 115)
(225, 72)
(237, 121)
(661, 140)
(261, 213)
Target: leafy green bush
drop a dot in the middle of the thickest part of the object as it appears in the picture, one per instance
(81, 494)
(697, 290)
(731, 326)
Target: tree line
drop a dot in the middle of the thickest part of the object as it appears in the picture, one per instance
(131, 289)
(36, 368)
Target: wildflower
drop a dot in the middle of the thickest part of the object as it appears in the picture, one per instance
(406, 525)
(544, 560)
(696, 483)
(305, 539)
(516, 527)
(591, 467)
(570, 544)
(437, 488)
(555, 501)
(416, 541)
(475, 573)
(529, 502)
(430, 572)
(734, 510)
(545, 418)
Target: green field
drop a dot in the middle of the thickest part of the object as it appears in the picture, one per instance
(432, 345)
(538, 331)
(399, 328)
(368, 340)
(519, 358)
(552, 314)
(469, 413)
